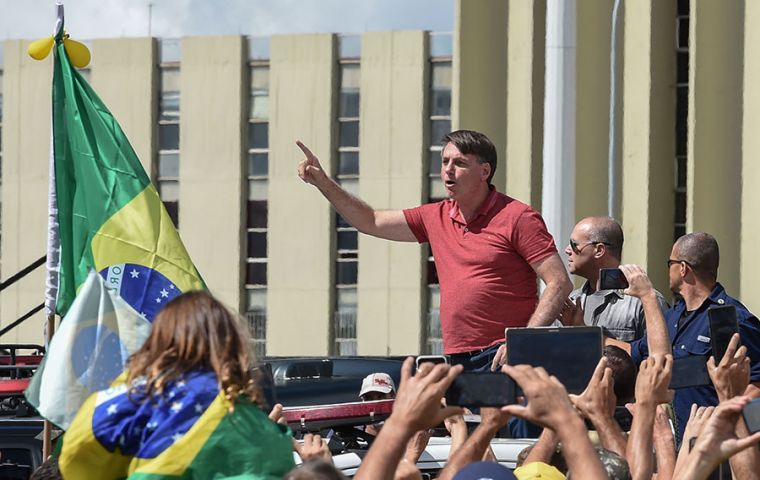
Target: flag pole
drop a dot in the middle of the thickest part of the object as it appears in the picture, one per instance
(47, 427)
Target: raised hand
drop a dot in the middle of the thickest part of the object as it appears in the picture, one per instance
(571, 314)
(639, 284)
(312, 447)
(309, 169)
(653, 379)
(548, 403)
(731, 376)
(598, 399)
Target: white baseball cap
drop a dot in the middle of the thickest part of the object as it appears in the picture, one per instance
(377, 382)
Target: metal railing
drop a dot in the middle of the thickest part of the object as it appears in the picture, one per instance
(13, 279)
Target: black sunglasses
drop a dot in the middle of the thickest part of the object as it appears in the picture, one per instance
(576, 247)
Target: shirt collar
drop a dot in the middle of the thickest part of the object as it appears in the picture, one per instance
(717, 296)
(586, 289)
(484, 207)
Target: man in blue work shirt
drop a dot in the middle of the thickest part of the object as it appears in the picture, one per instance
(693, 275)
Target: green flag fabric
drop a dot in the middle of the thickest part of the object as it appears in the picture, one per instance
(110, 216)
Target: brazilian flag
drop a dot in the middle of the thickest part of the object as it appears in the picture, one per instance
(109, 214)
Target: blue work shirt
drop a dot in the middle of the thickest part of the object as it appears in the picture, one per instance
(693, 338)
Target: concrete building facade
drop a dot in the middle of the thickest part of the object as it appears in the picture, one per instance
(214, 121)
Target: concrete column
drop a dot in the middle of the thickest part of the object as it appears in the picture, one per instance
(212, 97)
(593, 103)
(301, 222)
(558, 199)
(394, 77)
(649, 136)
(27, 113)
(525, 100)
(750, 174)
(124, 75)
(479, 73)
(716, 57)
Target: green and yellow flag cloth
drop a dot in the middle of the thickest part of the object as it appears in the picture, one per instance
(187, 432)
(110, 216)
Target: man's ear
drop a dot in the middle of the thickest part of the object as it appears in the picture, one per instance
(486, 170)
(599, 250)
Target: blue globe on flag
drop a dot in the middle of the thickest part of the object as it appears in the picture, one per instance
(144, 289)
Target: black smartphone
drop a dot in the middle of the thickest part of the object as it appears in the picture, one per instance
(434, 359)
(723, 325)
(751, 413)
(689, 371)
(612, 279)
(481, 389)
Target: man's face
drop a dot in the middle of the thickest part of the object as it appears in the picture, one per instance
(371, 396)
(675, 280)
(580, 251)
(462, 174)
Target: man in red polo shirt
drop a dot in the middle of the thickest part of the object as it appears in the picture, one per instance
(488, 248)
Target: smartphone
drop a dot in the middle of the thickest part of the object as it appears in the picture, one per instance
(723, 325)
(612, 279)
(689, 371)
(751, 413)
(481, 389)
(434, 359)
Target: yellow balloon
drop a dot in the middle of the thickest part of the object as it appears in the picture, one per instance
(77, 52)
(39, 49)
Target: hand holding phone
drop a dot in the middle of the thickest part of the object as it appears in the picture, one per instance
(751, 413)
(723, 326)
(434, 359)
(481, 389)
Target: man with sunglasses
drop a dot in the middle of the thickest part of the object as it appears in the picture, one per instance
(596, 243)
(693, 277)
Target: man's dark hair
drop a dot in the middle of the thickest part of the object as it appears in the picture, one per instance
(474, 143)
(314, 470)
(700, 251)
(607, 230)
(623, 373)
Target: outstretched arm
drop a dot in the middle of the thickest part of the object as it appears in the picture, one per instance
(558, 287)
(641, 287)
(388, 224)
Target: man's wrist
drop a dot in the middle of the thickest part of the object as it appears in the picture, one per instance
(397, 428)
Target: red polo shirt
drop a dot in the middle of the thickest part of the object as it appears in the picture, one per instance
(486, 281)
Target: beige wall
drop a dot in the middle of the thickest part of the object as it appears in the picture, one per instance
(715, 125)
(394, 81)
(648, 136)
(124, 76)
(525, 100)
(210, 166)
(26, 161)
(750, 174)
(593, 104)
(479, 73)
(301, 222)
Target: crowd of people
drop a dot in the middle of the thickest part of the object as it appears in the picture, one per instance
(188, 397)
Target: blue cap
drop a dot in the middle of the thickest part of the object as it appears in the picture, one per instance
(485, 471)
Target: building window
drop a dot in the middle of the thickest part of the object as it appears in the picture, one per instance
(257, 172)
(682, 114)
(347, 175)
(439, 118)
(167, 166)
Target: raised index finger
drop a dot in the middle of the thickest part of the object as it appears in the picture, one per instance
(305, 149)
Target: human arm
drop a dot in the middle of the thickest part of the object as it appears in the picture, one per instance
(473, 449)
(457, 427)
(664, 444)
(651, 390)
(417, 406)
(312, 447)
(730, 377)
(697, 419)
(388, 224)
(558, 286)
(549, 406)
(640, 286)
(543, 450)
(597, 403)
(716, 442)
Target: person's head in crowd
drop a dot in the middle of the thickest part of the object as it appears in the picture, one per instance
(315, 470)
(623, 373)
(538, 470)
(195, 331)
(470, 142)
(483, 470)
(557, 461)
(693, 261)
(615, 465)
(377, 386)
(48, 470)
(595, 242)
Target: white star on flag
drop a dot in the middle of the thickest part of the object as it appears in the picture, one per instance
(151, 425)
(164, 293)
(176, 407)
(198, 408)
(158, 299)
(135, 273)
(176, 437)
(112, 409)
